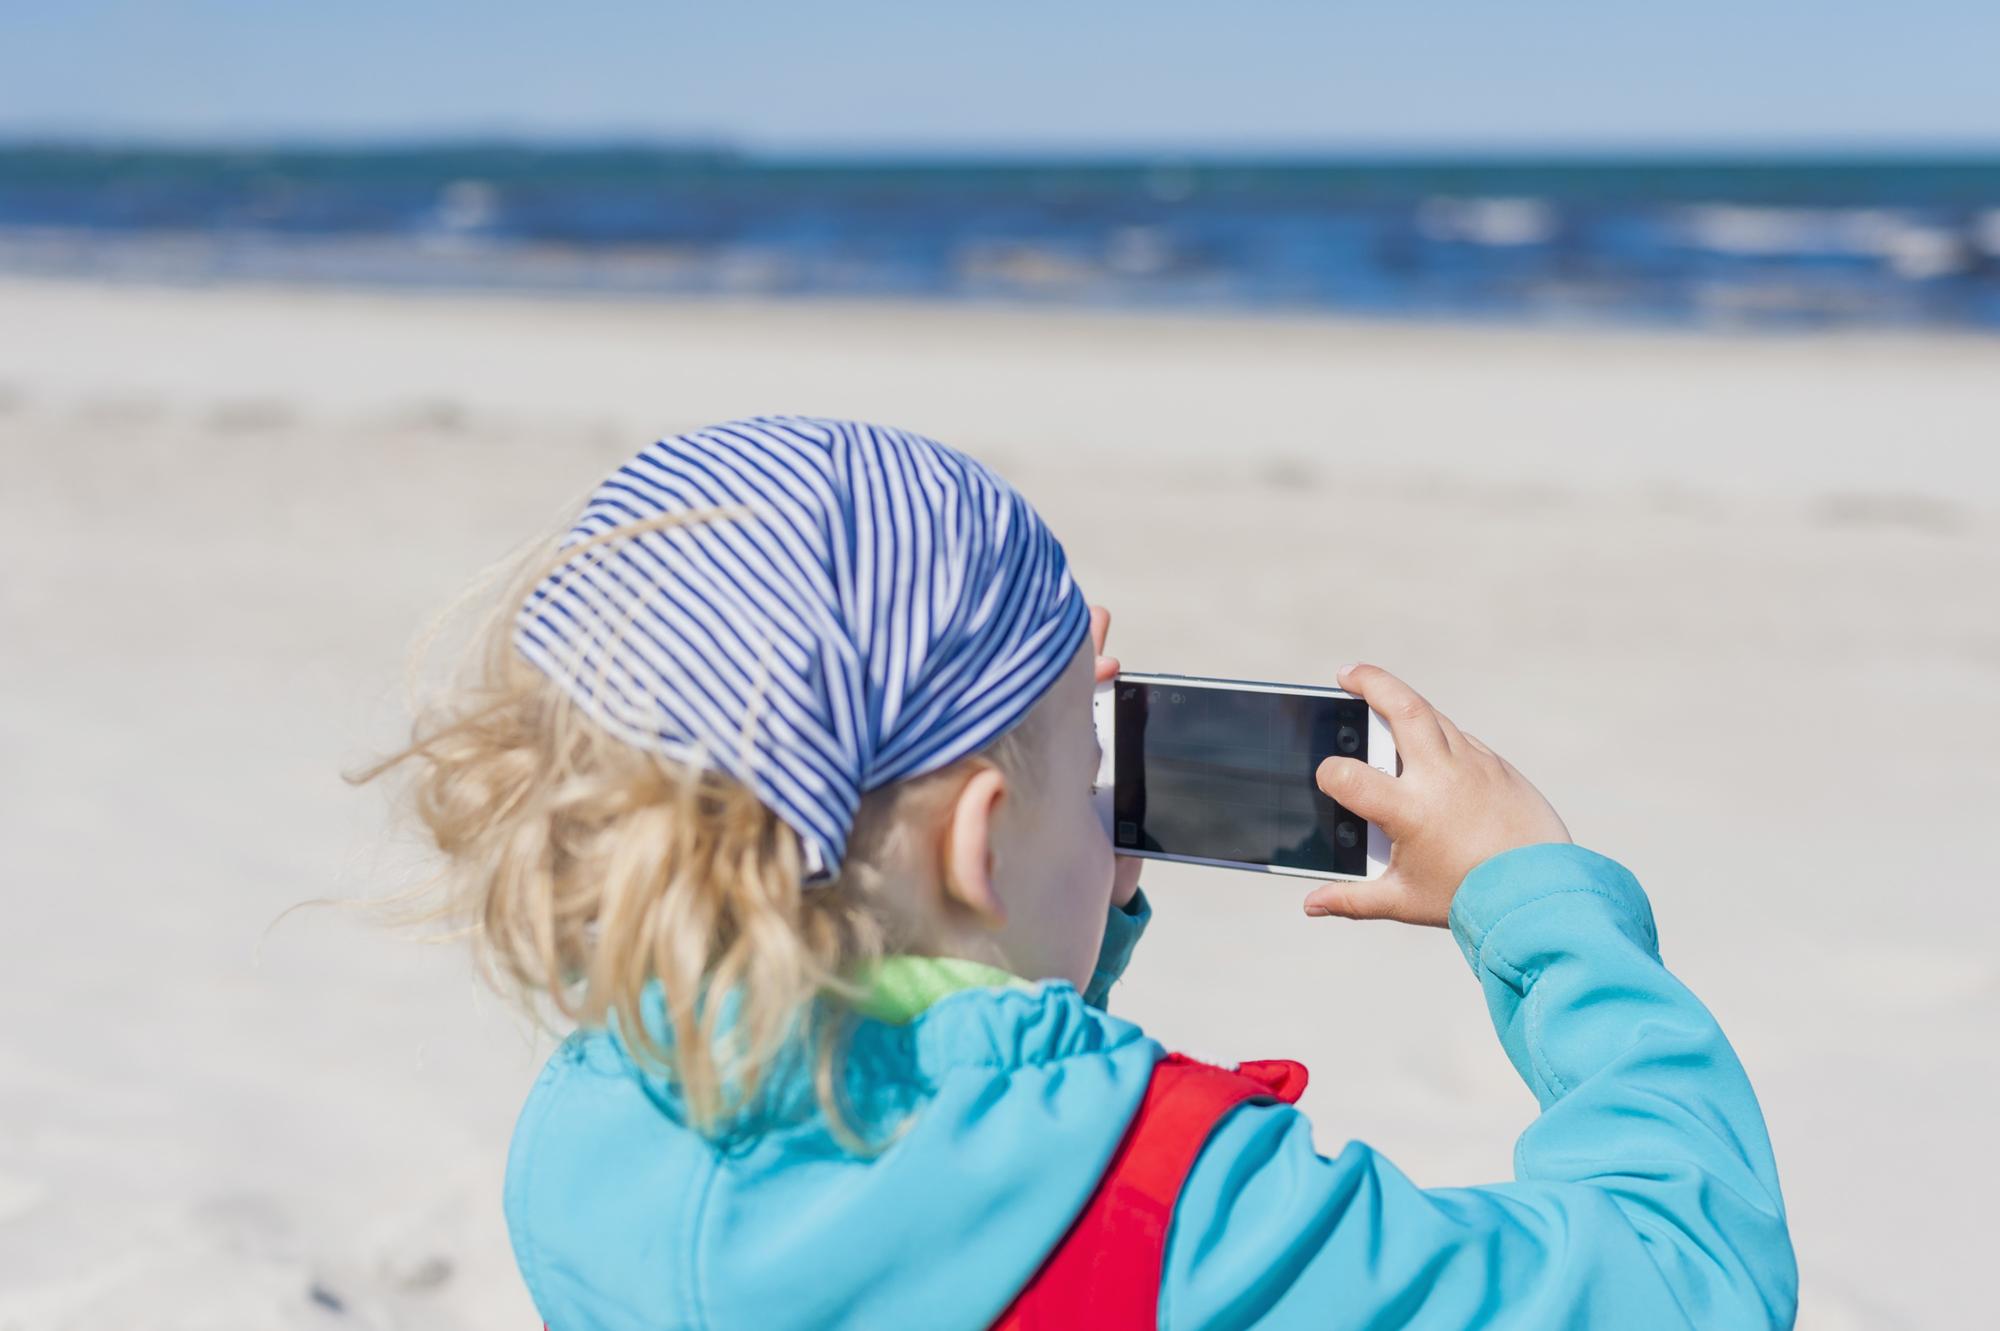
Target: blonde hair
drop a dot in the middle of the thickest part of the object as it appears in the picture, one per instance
(586, 869)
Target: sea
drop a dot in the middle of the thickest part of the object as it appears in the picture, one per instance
(1781, 242)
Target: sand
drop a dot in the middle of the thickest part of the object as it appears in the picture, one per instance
(1729, 600)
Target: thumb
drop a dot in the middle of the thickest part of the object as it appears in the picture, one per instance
(1370, 899)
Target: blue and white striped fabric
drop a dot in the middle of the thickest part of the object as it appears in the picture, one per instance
(869, 605)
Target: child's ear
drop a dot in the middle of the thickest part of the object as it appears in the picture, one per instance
(967, 868)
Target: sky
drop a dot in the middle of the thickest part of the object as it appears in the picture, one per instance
(1085, 75)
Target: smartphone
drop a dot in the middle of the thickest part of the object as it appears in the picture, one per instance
(1220, 771)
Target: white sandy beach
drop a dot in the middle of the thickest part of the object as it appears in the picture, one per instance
(1730, 601)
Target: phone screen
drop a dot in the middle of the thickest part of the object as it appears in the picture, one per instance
(1227, 774)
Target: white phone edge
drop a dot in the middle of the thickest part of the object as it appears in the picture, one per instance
(1104, 712)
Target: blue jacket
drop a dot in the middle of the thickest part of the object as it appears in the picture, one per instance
(1645, 1197)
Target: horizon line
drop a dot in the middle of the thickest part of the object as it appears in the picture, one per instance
(1162, 153)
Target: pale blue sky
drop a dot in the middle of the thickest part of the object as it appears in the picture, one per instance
(1080, 75)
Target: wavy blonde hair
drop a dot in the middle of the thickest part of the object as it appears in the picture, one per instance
(585, 869)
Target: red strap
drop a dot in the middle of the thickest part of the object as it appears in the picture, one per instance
(1105, 1274)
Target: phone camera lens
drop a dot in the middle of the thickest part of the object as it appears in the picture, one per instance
(1348, 738)
(1347, 834)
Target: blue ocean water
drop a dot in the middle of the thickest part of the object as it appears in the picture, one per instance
(1775, 243)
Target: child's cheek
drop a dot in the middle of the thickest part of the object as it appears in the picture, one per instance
(1097, 864)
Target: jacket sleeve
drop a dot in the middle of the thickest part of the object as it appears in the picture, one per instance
(1122, 927)
(1645, 1192)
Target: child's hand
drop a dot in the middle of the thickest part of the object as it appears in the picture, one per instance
(1457, 804)
(1125, 874)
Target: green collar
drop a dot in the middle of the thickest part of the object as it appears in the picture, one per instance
(900, 988)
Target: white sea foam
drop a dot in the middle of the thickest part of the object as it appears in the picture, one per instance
(1728, 228)
(1500, 222)
(1911, 248)
(467, 205)
(1921, 252)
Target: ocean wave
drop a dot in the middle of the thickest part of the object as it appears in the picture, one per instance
(1913, 248)
(1500, 222)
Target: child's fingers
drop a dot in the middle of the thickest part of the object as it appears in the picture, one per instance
(1411, 719)
(1125, 871)
(1454, 738)
(1100, 629)
(1375, 899)
(1362, 789)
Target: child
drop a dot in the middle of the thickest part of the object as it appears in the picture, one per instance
(775, 779)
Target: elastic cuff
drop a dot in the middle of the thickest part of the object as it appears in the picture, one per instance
(1525, 875)
(1122, 927)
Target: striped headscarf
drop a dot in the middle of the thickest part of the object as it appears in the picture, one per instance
(860, 605)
